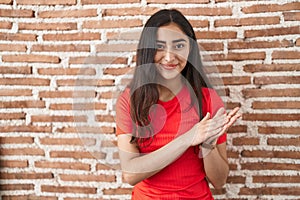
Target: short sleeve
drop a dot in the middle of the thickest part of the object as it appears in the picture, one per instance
(123, 120)
(211, 103)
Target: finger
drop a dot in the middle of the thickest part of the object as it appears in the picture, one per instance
(207, 117)
(233, 120)
(233, 112)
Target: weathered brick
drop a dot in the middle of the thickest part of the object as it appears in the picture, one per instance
(108, 1)
(13, 163)
(68, 14)
(278, 130)
(276, 105)
(272, 32)
(62, 165)
(277, 80)
(247, 21)
(68, 189)
(71, 36)
(291, 16)
(16, 140)
(263, 8)
(27, 81)
(270, 117)
(88, 178)
(18, 37)
(5, 25)
(16, 13)
(46, 2)
(31, 58)
(105, 24)
(26, 176)
(15, 70)
(22, 104)
(22, 151)
(271, 67)
(56, 118)
(48, 26)
(259, 44)
(270, 154)
(61, 48)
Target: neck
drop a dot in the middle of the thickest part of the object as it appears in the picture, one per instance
(169, 88)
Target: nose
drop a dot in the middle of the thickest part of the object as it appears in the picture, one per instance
(169, 56)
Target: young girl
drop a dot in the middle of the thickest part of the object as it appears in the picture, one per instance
(170, 123)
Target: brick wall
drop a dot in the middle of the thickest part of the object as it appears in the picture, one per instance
(61, 62)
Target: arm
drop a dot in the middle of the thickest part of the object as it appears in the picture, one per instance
(137, 167)
(215, 161)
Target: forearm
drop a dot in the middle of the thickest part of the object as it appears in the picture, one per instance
(216, 168)
(137, 167)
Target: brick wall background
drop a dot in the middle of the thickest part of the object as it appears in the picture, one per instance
(60, 63)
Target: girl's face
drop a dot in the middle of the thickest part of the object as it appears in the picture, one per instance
(172, 51)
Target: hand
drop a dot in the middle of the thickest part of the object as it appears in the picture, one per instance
(209, 128)
(231, 117)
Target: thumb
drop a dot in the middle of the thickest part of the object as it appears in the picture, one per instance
(207, 117)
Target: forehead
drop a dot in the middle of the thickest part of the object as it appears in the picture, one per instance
(170, 32)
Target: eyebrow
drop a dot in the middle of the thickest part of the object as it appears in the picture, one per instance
(174, 41)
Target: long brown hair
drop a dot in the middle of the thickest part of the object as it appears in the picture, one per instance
(143, 87)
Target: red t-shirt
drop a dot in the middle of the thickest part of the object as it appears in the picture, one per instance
(185, 177)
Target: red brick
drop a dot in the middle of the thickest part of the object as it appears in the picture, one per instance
(98, 60)
(238, 80)
(61, 48)
(269, 166)
(27, 81)
(276, 105)
(6, 1)
(298, 42)
(291, 16)
(5, 25)
(259, 44)
(271, 67)
(216, 34)
(272, 32)
(31, 58)
(124, 35)
(108, 1)
(77, 155)
(68, 189)
(284, 141)
(13, 163)
(199, 11)
(88, 178)
(247, 21)
(104, 118)
(237, 56)
(277, 80)
(252, 93)
(15, 187)
(26, 176)
(67, 71)
(276, 179)
(15, 70)
(12, 116)
(270, 154)
(67, 94)
(23, 151)
(22, 104)
(18, 37)
(105, 24)
(13, 47)
(78, 106)
(68, 13)
(133, 11)
(261, 8)
(245, 141)
(26, 128)
(116, 47)
(53, 118)
(28, 197)
(71, 36)
(62, 165)
(48, 26)
(293, 191)
(67, 141)
(117, 191)
(286, 54)
(86, 129)
(16, 140)
(238, 129)
(16, 13)
(85, 82)
(46, 2)
(102, 167)
(270, 117)
(199, 23)
(117, 71)
(211, 46)
(278, 130)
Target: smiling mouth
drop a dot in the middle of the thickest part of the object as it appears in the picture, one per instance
(169, 66)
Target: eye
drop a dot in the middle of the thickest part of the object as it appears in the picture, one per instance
(160, 46)
(179, 46)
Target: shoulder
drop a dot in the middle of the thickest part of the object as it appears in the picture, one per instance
(211, 100)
